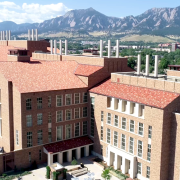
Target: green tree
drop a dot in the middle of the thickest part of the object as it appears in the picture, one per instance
(132, 62)
(106, 174)
(74, 162)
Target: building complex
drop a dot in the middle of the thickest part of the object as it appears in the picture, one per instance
(55, 107)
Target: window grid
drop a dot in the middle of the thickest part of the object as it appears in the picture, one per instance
(92, 116)
(140, 148)
(148, 172)
(49, 135)
(77, 98)
(108, 136)
(123, 142)
(28, 104)
(77, 128)
(39, 119)
(68, 99)
(40, 137)
(68, 114)
(115, 138)
(149, 152)
(116, 121)
(102, 133)
(85, 97)
(29, 120)
(109, 118)
(68, 131)
(84, 111)
(139, 167)
(39, 103)
(29, 139)
(92, 127)
(131, 126)
(102, 116)
(77, 113)
(123, 123)
(140, 132)
(59, 100)
(84, 127)
(59, 133)
(49, 117)
(40, 155)
(131, 145)
(150, 132)
(59, 116)
(49, 101)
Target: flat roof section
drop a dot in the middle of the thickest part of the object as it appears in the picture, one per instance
(68, 144)
(146, 96)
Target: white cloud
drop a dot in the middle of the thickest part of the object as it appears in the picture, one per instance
(28, 13)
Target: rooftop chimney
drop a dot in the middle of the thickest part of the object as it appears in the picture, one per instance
(139, 65)
(156, 66)
(109, 48)
(147, 65)
(117, 48)
(101, 49)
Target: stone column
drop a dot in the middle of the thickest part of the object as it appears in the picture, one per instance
(156, 66)
(117, 49)
(109, 157)
(60, 47)
(78, 153)
(147, 65)
(32, 34)
(6, 35)
(123, 166)
(51, 44)
(55, 47)
(29, 34)
(115, 161)
(139, 64)
(86, 150)
(101, 49)
(50, 159)
(60, 158)
(69, 155)
(109, 48)
(66, 47)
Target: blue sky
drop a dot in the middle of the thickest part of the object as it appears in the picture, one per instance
(21, 11)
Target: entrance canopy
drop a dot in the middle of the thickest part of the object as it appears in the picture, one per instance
(68, 144)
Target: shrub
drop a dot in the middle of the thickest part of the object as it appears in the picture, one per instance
(64, 173)
(55, 175)
(74, 162)
(48, 172)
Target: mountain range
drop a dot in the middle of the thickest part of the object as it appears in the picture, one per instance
(162, 20)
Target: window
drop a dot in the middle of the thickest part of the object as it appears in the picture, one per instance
(29, 120)
(148, 172)
(109, 118)
(77, 113)
(29, 139)
(17, 137)
(76, 98)
(39, 103)
(92, 127)
(102, 116)
(68, 114)
(139, 167)
(68, 99)
(116, 121)
(68, 131)
(141, 110)
(59, 100)
(40, 155)
(140, 148)
(131, 145)
(77, 128)
(49, 101)
(115, 138)
(28, 104)
(59, 133)
(85, 97)
(149, 152)
(84, 127)
(49, 117)
(39, 119)
(140, 132)
(131, 126)
(123, 123)
(116, 102)
(49, 135)
(30, 157)
(108, 135)
(150, 132)
(40, 137)
(59, 116)
(123, 142)
(101, 132)
(132, 108)
(84, 111)
(124, 106)
(101, 149)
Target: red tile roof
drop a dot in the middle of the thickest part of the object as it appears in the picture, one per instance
(86, 70)
(68, 144)
(146, 96)
(38, 76)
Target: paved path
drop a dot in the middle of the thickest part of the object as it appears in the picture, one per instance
(39, 174)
